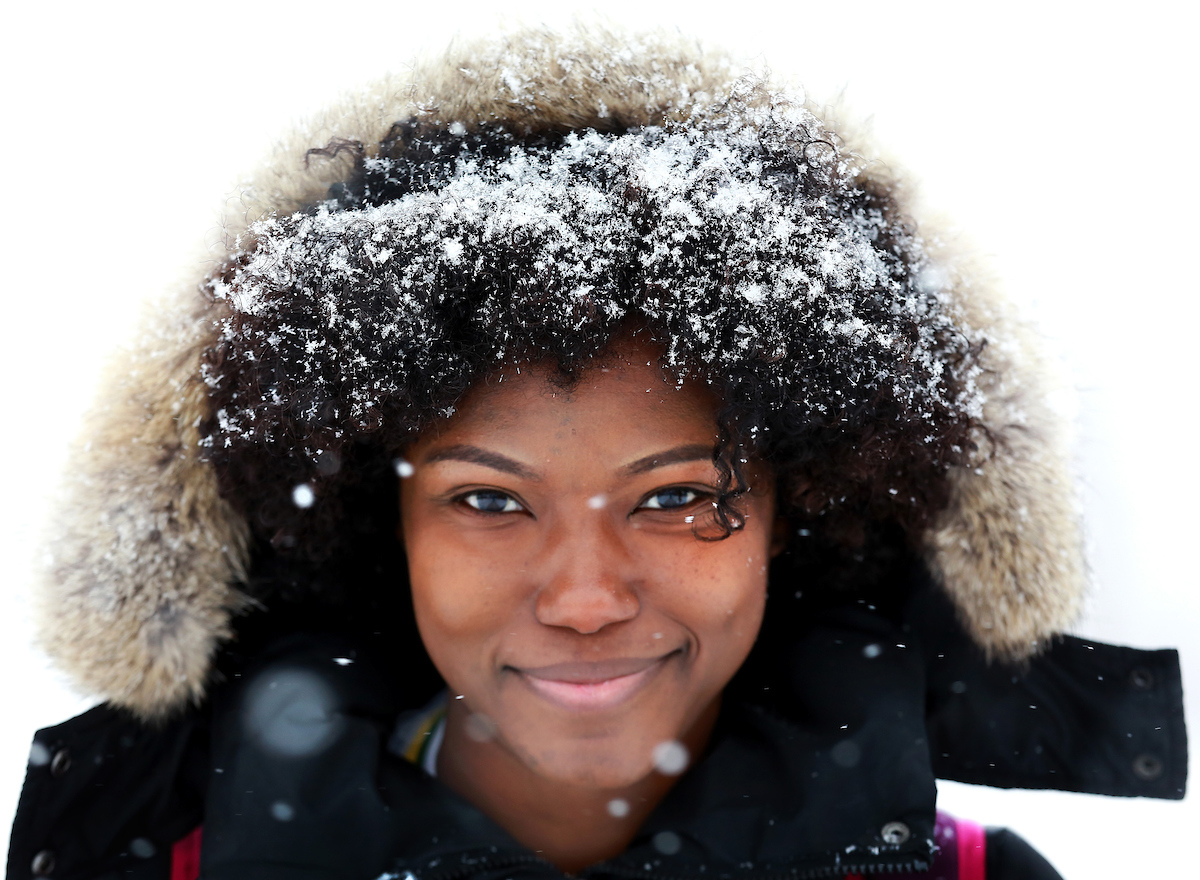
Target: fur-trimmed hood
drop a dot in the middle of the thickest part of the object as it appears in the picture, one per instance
(142, 587)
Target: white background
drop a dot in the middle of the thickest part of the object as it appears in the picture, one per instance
(1059, 135)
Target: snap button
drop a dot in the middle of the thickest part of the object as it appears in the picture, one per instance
(60, 763)
(1147, 767)
(43, 864)
(1142, 678)
(895, 833)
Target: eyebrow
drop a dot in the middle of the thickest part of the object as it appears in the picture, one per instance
(499, 462)
(476, 455)
(690, 452)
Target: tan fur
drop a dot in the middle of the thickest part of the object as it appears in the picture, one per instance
(1009, 547)
(536, 80)
(138, 594)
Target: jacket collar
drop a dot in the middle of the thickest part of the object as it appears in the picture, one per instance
(797, 794)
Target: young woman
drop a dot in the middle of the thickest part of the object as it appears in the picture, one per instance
(578, 462)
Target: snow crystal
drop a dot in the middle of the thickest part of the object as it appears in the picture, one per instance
(597, 502)
(291, 712)
(618, 807)
(515, 84)
(667, 842)
(282, 811)
(404, 468)
(39, 755)
(670, 757)
(846, 753)
(303, 495)
(872, 651)
(328, 462)
(753, 293)
(142, 848)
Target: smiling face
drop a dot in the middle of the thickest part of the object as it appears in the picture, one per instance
(557, 577)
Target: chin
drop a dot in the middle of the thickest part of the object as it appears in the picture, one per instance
(587, 758)
(587, 768)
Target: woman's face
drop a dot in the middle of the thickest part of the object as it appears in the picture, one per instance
(557, 579)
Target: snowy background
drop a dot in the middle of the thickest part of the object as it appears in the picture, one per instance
(1059, 136)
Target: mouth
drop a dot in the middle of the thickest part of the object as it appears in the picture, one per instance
(597, 685)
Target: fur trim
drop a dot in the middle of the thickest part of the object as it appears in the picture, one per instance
(138, 593)
(537, 80)
(1009, 547)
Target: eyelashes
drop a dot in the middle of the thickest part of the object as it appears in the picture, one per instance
(668, 499)
(491, 501)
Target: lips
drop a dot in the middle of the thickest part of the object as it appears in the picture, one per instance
(599, 684)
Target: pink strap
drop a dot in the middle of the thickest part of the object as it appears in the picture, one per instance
(185, 856)
(972, 848)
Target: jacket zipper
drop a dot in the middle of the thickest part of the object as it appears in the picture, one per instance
(840, 870)
(602, 870)
(482, 863)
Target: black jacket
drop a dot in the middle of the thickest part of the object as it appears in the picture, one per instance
(822, 743)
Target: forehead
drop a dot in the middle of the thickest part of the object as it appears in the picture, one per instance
(623, 394)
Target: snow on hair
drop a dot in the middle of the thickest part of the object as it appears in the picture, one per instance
(743, 240)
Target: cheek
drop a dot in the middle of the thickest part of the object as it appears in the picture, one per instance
(461, 600)
(743, 593)
(717, 590)
(739, 570)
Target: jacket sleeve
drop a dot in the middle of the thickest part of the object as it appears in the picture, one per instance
(1009, 857)
(1082, 716)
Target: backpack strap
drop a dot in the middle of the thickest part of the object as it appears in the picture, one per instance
(185, 856)
(972, 849)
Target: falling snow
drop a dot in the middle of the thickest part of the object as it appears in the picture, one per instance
(667, 842)
(303, 496)
(670, 757)
(618, 808)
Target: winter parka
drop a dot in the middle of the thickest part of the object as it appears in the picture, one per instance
(948, 661)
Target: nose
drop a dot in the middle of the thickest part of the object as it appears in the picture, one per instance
(589, 581)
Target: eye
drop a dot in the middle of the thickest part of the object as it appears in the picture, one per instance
(491, 501)
(670, 498)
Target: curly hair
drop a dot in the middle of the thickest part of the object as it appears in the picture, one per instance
(745, 241)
